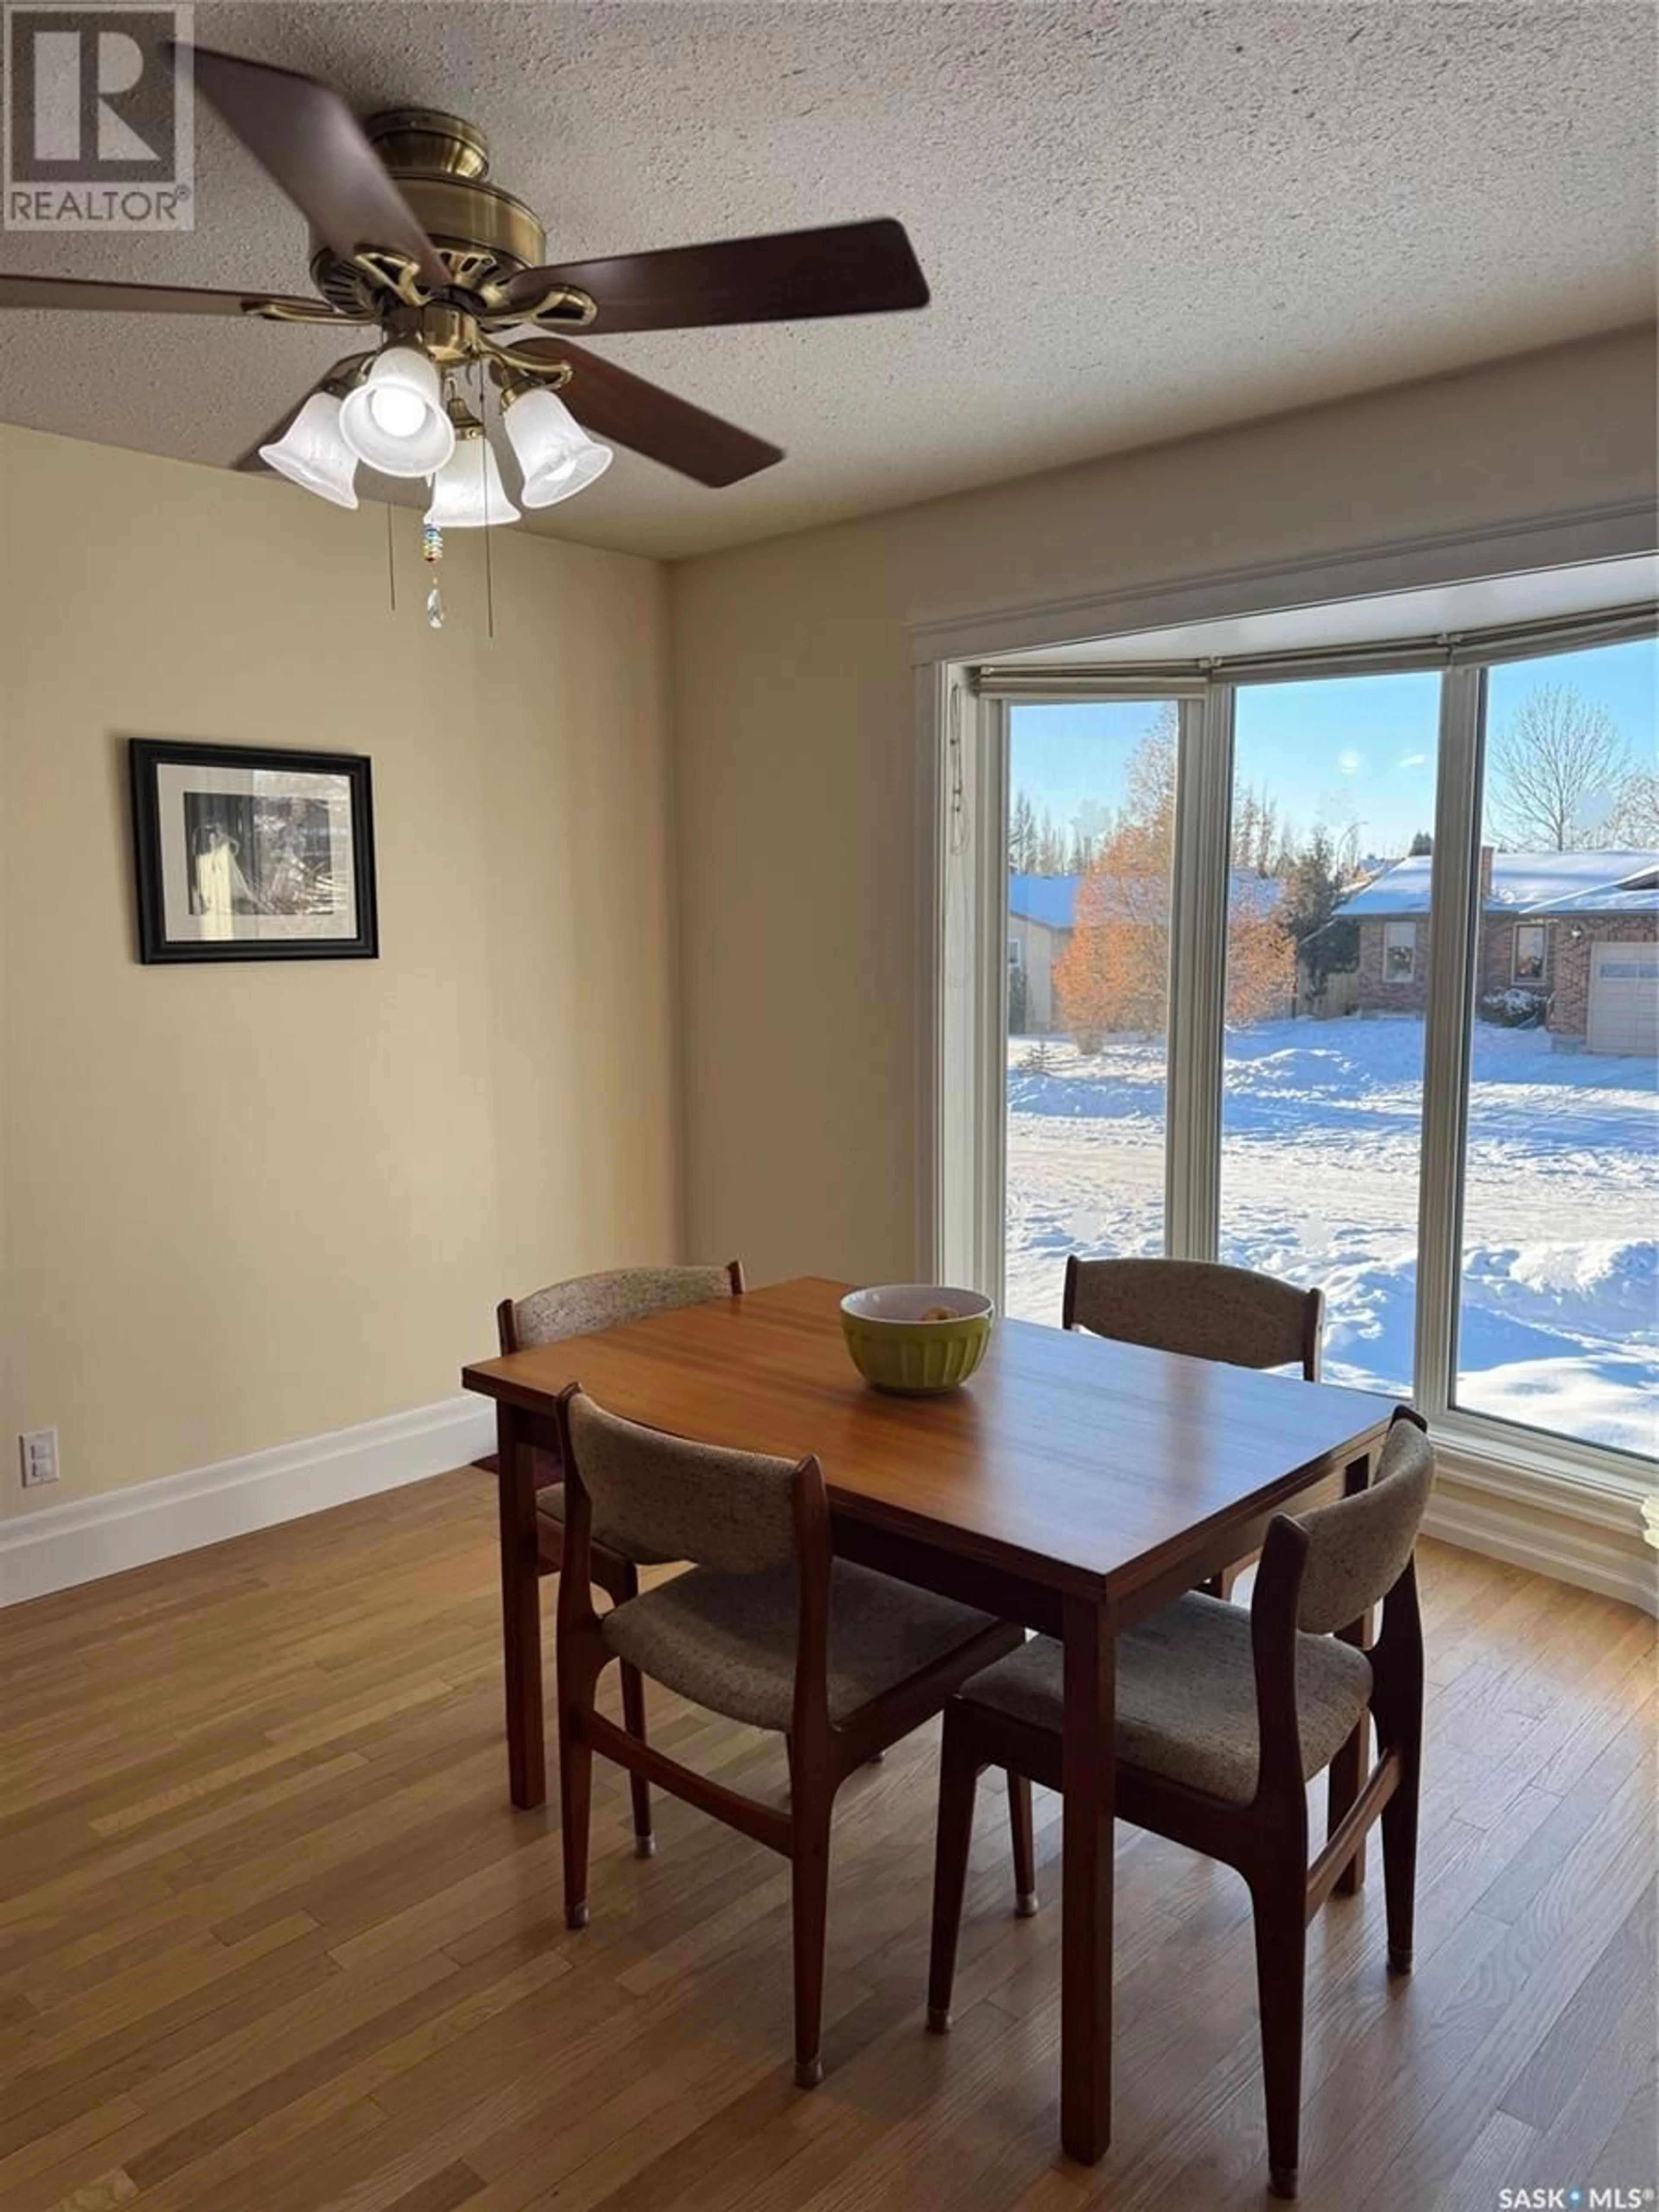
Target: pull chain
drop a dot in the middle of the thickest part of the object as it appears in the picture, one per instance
(490, 568)
(432, 551)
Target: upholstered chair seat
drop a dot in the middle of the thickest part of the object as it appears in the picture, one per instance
(729, 1642)
(1185, 1696)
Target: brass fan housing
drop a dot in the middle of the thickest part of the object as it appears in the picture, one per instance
(441, 164)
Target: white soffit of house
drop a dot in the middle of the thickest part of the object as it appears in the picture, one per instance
(1439, 611)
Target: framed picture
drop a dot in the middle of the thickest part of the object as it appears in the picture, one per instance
(252, 852)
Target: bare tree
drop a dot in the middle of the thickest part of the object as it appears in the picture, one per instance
(1555, 772)
(1633, 825)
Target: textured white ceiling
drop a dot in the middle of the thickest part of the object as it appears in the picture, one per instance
(1138, 220)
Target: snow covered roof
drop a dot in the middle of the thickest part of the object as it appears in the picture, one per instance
(1521, 883)
(1051, 900)
(1636, 894)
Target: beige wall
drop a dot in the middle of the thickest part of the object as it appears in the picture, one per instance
(795, 740)
(244, 1206)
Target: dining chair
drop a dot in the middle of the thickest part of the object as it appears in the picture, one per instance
(578, 1308)
(765, 1627)
(1235, 1315)
(1223, 1717)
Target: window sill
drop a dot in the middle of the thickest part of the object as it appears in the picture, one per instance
(1547, 1510)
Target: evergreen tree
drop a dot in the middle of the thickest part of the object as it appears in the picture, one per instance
(1325, 946)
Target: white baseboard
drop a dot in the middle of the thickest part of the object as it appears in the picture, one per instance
(1598, 1544)
(57, 1547)
(1595, 1541)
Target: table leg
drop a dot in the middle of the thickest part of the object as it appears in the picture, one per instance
(1088, 1771)
(1348, 1768)
(522, 1615)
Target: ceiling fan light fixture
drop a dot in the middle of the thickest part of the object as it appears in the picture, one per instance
(312, 454)
(395, 420)
(467, 492)
(555, 453)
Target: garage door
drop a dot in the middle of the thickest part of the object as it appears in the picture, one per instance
(1623, 998)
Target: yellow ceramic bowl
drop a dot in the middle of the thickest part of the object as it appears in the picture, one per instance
(917, 1338)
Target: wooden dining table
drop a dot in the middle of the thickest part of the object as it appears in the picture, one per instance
(1075, 1484)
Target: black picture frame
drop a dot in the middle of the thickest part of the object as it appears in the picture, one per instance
(199, 902)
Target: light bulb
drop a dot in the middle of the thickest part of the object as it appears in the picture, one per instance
(395, 419)
(399, 413)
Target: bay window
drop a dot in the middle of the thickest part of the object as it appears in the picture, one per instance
(1311, 979)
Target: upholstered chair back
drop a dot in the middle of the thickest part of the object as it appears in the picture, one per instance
(1196, 1307)
(660, 1496)
(589, 1302)
(1358, 1548)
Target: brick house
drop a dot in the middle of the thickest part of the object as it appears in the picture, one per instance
(1604, 949)
(1546, 918)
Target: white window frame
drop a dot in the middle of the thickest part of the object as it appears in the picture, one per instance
(961, 1227)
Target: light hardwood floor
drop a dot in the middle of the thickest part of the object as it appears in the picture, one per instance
(271, 1939)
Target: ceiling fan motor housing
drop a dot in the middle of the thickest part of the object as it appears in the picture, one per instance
(441, 163)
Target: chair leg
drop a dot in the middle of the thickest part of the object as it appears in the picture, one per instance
(1405, 1728)
(811, 1901)
(1024, 1842)
(1342, 1786)
(633, 1700)
(958, 1777)
(1281, 1944)
(575, 1802)
(1400, 1869)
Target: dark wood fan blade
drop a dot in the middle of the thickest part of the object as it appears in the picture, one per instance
(308, 139)
(141, 299)
(250, 462)
(852, 269)
(613, 403)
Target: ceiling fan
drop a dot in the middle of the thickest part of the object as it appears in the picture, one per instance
(412, 240)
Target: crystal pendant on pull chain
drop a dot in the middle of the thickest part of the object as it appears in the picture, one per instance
(432, 551)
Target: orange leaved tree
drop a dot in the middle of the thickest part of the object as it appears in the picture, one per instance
(1115, 973)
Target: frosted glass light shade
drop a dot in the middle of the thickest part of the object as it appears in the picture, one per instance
(557, 454)
(467, 492)
(311, 452)
(395, 420)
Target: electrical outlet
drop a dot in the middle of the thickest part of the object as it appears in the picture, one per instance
(39, 1453)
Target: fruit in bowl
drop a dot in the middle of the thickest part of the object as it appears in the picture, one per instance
(917, 1338)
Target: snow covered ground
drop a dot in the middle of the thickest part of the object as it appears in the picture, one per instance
(1559, 1326)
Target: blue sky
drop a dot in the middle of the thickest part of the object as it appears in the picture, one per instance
(1351, 752)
